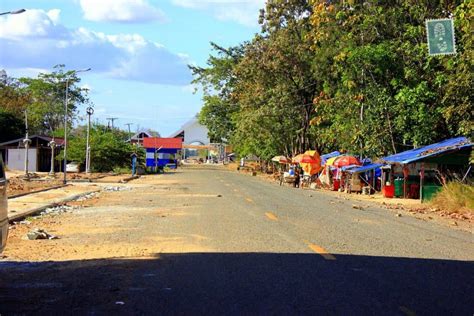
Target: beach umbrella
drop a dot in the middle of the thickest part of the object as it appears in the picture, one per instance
(281, 159)
(305, 158)
(330, 161)
(342, 161)
(311, 162)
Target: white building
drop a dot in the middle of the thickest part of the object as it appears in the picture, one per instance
(193, 133)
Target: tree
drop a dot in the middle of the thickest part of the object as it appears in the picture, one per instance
(10, 127)
(48, 93)
(108, 148)
(217, 81)
(351, 75)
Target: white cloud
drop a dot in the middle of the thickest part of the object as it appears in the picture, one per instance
(34, 41)
(244, 12)
(128, 11)
(32, 23)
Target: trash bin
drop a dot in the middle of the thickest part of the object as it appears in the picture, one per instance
(388, 191)
(398, 187)
(429, 191)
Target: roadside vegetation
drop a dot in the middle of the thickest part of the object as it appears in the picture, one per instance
(41, 100)
(455, 197)
(340, 75)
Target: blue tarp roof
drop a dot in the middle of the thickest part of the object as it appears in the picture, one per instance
(330, 155)
(416, 154)
(365, 168)
(349, 167)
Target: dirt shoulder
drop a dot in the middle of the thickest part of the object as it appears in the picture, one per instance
(18, 184)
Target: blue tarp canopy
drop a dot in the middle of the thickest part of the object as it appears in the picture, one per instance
(365, 168)
(421, 153)
(327, 156)
(349, 167)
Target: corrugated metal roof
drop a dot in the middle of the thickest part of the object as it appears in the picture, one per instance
(421, 153)
(169, 143)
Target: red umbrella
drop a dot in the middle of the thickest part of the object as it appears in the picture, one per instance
(346, 161)
(305, 158)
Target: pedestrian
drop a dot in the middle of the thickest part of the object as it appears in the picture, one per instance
(296, 184)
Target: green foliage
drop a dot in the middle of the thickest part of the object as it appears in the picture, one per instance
(108, 148)
(47, 95)
(10, 127)
(347, 75)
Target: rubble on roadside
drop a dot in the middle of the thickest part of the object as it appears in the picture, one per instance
(116, 189)
(38, 233)
(87, 197)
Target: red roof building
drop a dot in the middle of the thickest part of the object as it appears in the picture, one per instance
(164, 143)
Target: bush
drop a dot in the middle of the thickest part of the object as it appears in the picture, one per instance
(455, 197)
(109, 151)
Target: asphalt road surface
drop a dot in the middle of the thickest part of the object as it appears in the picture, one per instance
(228, 244)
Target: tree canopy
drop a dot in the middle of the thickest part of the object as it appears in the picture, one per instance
(340, 75)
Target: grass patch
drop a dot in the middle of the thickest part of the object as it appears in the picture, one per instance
(122, 170)
(455, 197)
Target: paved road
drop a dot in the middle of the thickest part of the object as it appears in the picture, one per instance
(241, 245)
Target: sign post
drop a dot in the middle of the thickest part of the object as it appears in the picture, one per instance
(440, 35)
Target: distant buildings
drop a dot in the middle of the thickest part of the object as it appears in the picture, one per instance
(193, 133)
(39, 153)
(141, 135)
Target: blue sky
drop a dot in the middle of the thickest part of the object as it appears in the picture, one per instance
(138, 50)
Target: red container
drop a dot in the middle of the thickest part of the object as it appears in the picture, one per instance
(388, 191)
(336, 184)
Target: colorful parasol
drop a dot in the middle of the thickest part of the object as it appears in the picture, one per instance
(309, 161)
(342, 161)
(281, 159)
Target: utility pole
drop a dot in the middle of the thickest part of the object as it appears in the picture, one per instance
(129, 131)
(26, 142)
(52, 144)
(112, 119)
(66, 113)
(89, 112)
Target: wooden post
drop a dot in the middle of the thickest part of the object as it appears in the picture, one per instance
(405, 176)
(422, 178)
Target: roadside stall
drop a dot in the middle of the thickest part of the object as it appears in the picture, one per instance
(421, 172)
(310, 163)
(334, 169)
(363, 178)
(283, 170)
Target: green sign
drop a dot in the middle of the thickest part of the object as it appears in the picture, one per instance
(441, 37)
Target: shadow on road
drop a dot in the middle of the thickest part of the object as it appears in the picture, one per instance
(239, 283)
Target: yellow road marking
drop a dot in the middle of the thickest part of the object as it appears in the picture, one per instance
(271, 216)
(321, 251)
(249, 200)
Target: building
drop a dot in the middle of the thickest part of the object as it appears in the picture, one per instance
(141, 135)
(193, 133)
(39, 154)
(161, 151)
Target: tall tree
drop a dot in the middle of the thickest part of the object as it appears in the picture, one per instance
(48, 94)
